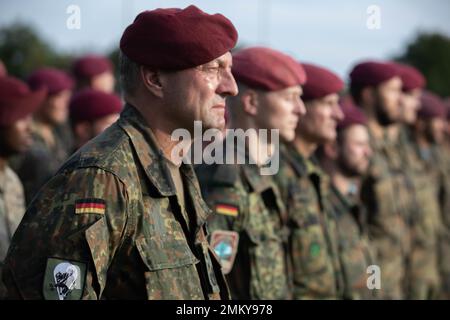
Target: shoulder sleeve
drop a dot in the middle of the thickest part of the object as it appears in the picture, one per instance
(68, 237)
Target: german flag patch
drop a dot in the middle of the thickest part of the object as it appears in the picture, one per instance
(226, 209)
(96, 206)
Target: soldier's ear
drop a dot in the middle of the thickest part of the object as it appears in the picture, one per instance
(368, 95)
(152, 81)
(250, 101)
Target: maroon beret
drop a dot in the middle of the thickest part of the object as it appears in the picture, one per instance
(267, 69)
(447, 104)
(91, 65)
(411, 77)
(53, 80)
(352, 114)
(177, 39)
(321, 82)
(90, 105)
(372, 73)
(432, 106)
(17, 100)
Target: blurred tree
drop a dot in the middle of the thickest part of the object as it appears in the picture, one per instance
(430, 53)
(22, 50)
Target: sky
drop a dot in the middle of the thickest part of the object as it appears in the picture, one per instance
(330, 33)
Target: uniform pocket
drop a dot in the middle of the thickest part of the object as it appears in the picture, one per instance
(172, 272)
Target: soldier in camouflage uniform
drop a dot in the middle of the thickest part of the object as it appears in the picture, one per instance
(305, 189)
(346, 161)
(422, 280)
(17, 103)
(249, 230)
(50, 148)
(376, 88)
(428, 138)
(120, 220)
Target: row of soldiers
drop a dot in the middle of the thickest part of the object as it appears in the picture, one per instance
(358, 208)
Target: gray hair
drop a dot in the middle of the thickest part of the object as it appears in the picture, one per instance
(129, 74)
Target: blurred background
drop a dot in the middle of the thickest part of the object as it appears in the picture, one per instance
(335, 34)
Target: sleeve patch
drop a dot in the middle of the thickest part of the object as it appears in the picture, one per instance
(226, 209)
(64, 280)
(96, 206)
(225, 244)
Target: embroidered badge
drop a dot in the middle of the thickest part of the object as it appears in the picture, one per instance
(225, 244)
(64, 280)
(227, 210)
(96, 206)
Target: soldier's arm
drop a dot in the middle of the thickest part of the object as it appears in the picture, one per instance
(68, 237)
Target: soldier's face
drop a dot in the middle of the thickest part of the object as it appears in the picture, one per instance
(103, 82)
(409, 105)
(354, 150)
(319, 123)
(435, 130)
(280, 110)
(55, 108)
(388, 95)
(198, 94)
(99, 125)
(17, 137)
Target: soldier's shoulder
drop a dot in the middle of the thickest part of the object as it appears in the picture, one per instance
(110, 151)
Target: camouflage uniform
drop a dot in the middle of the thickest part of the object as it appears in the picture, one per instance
(422, 280)
(441, 158)
(109, 225)
(313, 237)
(12, 208)
(386, 196)
(355, 251)
(36, 166)
(257, 215)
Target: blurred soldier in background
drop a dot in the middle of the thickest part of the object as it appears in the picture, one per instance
(429, 138)
(121, 219)
(376, 88)
(250, 218)
(347, 161)
(91, 112)
(17, 103)
(422, 277)
(50, 146)
(305, 189)
(95, 72)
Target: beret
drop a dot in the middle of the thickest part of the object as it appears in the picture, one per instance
(352, 114)
(372, 73)
(267, 69)
(53, 80)
(432, 106)
(177, 39)
(17, 100)
(321, 82)
(91, 65)
(411, 77)
(90, 105)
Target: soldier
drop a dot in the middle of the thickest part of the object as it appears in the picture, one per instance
(248, 230)
(429, 137)
(376, 88)
(51, 144)
(119, 220)
(346, 161)
(95, 72)
(17, 103)
(422, 281)
(91, 112)
(305, 187)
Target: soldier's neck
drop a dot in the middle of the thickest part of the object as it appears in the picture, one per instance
(304, 147)
(376, 129)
